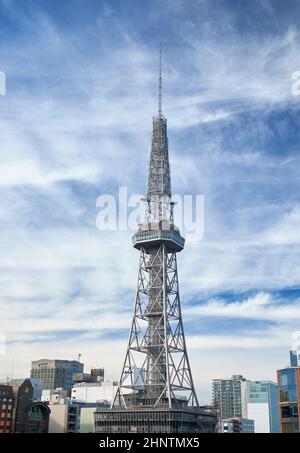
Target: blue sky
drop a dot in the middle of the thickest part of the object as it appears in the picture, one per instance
(76, 122)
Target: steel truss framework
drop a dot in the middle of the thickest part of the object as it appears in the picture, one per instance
(156, 369)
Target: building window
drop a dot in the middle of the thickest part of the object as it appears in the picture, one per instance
(287, 381)
(289, 411)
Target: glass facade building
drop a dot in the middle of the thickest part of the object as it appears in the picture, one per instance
(262, 406)
(289, 398)
(295, 357)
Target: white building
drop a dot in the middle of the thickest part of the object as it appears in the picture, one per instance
(94, 392)
(64, 416)
(57, 396)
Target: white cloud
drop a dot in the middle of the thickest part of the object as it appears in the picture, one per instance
(262, 306)
(287, 230)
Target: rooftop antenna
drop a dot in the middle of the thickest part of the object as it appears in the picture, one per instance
(160, 81)
(12, 368)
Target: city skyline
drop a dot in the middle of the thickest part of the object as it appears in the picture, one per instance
(76, 122)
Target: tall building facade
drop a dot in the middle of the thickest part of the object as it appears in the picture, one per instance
(55, 373)
(7, 409)
(229, 396)
(262, 406)
(15, 403)
(295, 357)
(24, 398)
(288, 379)
(156, 390)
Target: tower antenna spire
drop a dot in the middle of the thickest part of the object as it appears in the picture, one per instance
(160, 81)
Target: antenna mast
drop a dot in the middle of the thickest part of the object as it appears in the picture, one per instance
(160, 82)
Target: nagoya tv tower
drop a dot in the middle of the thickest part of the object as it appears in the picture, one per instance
(156, 392)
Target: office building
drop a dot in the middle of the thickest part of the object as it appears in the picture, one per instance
(295, 357)
(7, 405)
(55, 373)
(288, 379)
(64, 417)
(96, 375)
(262, 406)
(229, 397)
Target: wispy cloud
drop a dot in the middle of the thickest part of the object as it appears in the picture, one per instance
(261, 306)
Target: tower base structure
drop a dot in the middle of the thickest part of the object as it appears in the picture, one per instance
(155, 420)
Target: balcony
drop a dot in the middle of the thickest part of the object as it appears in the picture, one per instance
(148, 239)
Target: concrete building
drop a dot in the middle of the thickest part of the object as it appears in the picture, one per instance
(55, 373)
(64, 418)
(229, 397)
(262, 406)
(66, 413)
(56, 396)
(95, 376)
(94, 392)
(237, 425)
(7, 406)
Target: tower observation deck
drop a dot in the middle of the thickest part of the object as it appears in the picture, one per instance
(156, 391)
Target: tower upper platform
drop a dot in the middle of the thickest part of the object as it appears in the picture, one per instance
(159, 227)
(150, 236)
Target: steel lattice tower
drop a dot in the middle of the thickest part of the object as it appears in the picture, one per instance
(156, 376)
